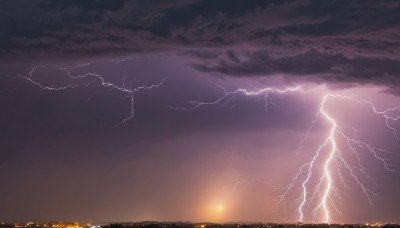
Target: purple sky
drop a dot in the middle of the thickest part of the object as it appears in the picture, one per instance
(65, 156)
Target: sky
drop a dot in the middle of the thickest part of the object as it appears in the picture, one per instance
(200, 110)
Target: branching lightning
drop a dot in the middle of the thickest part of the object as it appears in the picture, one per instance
(91, 79)
(328, 158)
(317, 179)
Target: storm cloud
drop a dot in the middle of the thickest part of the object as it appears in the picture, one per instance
(72, 72)
(319, 41)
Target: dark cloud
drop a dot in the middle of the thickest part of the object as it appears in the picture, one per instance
(55, 142)
(309, 66)
(349, 41)
(84, 5)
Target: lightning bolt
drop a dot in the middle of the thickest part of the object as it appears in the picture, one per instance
(326, 185)
(90, 79)
(229, 97)
(328, 154)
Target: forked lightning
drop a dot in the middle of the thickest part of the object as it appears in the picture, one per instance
(329, 154)
(94, 79)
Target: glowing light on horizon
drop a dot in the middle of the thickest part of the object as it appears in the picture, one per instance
(328, 153)
(325, 189)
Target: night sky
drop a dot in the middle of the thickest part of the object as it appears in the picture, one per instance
(193, 146)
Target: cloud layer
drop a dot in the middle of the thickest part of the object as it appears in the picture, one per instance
(334, 41)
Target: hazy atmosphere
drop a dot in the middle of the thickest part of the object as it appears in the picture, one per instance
(200, 110)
